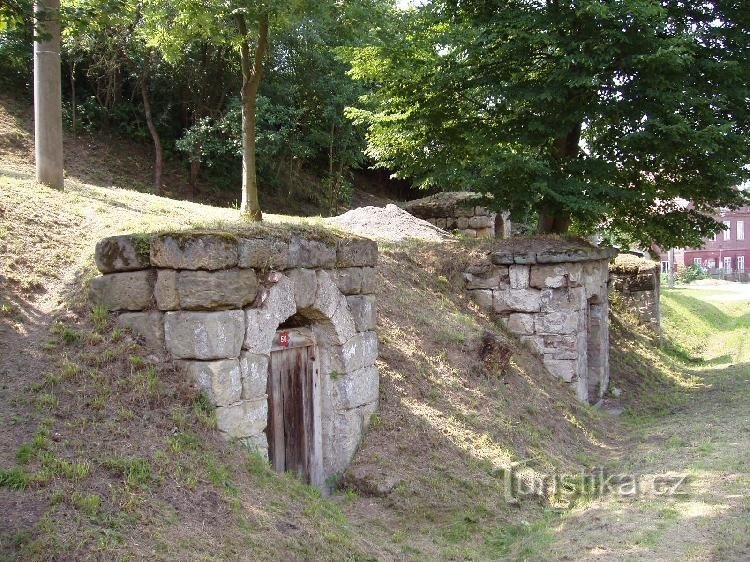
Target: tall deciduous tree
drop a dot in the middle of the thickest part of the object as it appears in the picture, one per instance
(599, 113)
(241, 24)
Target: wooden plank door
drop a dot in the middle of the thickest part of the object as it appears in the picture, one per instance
(291, 412)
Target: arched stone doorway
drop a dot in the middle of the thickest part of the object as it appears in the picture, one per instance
(208, 302)
(331, 378)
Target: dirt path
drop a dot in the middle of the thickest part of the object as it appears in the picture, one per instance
(692, 467)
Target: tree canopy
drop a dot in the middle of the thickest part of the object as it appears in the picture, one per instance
(606, 114)
(628, 117)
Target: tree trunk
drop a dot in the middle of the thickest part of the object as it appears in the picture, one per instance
(553, 218)
(251, 77)
(48, 134)
(158, 152)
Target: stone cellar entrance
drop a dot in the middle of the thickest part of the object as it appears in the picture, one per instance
(293, 429)
(278, 332)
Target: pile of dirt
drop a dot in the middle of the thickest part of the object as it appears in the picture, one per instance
(389, 223)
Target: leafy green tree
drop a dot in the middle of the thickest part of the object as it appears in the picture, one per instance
(595, 114)
(109, 38)
(239, 24)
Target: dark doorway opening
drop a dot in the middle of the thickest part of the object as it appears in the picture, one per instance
(595, 349)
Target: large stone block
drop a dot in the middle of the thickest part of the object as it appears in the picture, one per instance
(220, 380)
(356, 253)
(211, 290)
(327, 296)
(567, 300)
(355, 389)
(534, 343)
(370, 281)
(517, 300)
(345, 430)
(360, 351)
(561, 368)
(243, 419)
(483, 297)
(347, 279)
(308, 253)
(122, 253)
(330, 357)
(165, 291)
(254, 369)
(521, 323)
(305, 283)
(149, 326)
(519, 276)
(194, 251)
(263, 253)
(556, 276)
(562, 346)
(363, 311)
(558, 323)
(486, 276)
(204, 335)
(343, 321)
(131, 290)
(277, 303)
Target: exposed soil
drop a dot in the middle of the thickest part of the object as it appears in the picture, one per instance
(389, 223)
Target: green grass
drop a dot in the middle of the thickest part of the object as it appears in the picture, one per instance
(15, 478)
(689, 415)
(135, 471)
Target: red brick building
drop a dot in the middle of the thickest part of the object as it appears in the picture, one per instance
(728, 252)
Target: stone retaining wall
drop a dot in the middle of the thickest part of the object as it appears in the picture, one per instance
(214, 302)
(640, 289)
(458, 211)
(556, 301)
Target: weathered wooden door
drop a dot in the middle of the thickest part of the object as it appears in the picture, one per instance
(293, 398)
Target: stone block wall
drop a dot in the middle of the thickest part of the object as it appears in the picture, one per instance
(214, 301)
(556, 301)
(458, 211)
(638, 282)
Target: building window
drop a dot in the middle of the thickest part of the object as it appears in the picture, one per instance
(728, 231)
(715, 236)
(711, 263)
(740, 230)
(698, 262)
(665, 267)
(741, 264)
(728, 264)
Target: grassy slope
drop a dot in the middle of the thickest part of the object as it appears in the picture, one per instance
(110, 454)
(688, 415)
(115, 457)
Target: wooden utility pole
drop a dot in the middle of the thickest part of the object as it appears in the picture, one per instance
(48, 137)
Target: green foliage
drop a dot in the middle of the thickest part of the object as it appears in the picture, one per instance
(603, 112)
(100, 317)
(15, 478)
(16, 37)
(690, 273)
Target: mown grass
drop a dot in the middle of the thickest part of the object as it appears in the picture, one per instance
(688, 414)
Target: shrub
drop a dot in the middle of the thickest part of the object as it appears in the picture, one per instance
(690, 273)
